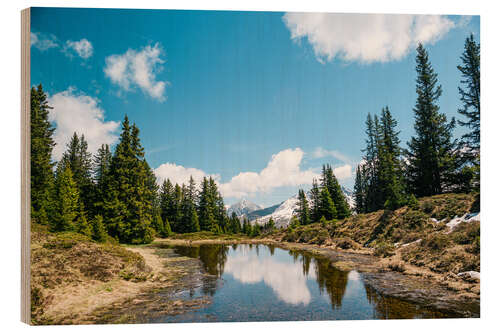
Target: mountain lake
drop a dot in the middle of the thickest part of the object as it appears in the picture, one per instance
(248, 282)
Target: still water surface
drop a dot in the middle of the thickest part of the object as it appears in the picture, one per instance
(266, 283)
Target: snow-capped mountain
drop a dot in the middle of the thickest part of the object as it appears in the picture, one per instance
(284, 212)
(242, 208)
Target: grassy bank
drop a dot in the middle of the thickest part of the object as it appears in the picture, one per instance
(77, 281)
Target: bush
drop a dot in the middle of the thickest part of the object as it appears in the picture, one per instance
(383, 249)
(413, 202)
(436, 242)
(428, 207)
(415, 219)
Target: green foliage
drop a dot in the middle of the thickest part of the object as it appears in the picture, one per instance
(302, 209)
(99, 233)
(470, 95)
(384, 249)
(327, 208)
(329, 181)
(82, 225)
(65, 201)
(128, 206)
(323, 222)
(413, 202)
(79, 160)
(41, 144)
(431, 159)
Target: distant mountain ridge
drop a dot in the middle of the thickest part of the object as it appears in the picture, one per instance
(243, 208)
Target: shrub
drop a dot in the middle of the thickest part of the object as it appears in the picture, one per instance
(413, 202)
(414, 219)
(384, 249)
(436, 242)
(427, 207)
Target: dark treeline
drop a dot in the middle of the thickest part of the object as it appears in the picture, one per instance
(434, 161)
(115, 194)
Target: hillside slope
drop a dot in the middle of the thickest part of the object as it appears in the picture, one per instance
(440, 235)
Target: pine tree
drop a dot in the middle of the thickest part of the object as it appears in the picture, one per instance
(339, 200)
(167, 201)
(327, 207)
(99, 233)
(79, 160)
(42, 177)
(430, 156)
(206, 207)
(315, 202)
(102, 161)
(167, 230)
(128, 204)
(65, 200)
(470, 95)
(359, 191)
(235, 224)
(82, 225)
(158, 225)
(389, 171)
(189, 221)
(302, 209)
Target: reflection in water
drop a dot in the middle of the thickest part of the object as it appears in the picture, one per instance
(259, 282)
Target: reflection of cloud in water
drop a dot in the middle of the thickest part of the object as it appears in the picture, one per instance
(286, 279)
(353, 276)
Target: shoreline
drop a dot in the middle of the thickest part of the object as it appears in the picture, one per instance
(415, 284)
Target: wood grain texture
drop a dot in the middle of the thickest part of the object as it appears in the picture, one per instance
(25, 167)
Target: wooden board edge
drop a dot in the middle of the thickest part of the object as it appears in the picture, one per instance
(25, 167)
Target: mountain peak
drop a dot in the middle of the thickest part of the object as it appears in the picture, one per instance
(242, 207)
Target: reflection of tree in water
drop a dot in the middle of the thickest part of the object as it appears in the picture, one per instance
(271, 249)
(331, 280)
(213, 257)
(393, 308)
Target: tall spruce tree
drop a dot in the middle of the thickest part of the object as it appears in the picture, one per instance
(389, 171)
(470, 95)
(41, 143)
(102, 161)
(430, 155)
(327, 207)
(128, 205)
(302, 209)
(189, 220)
(329, 181)
(65, 207)
(79, 160)
(359, 191)
(315, 202)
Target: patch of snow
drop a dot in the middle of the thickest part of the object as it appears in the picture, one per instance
(411, 243)
(242, 208)
(473, 275)
(467, 218)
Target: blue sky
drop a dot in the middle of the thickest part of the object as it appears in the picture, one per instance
(259, 100)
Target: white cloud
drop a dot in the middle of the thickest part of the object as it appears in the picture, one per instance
(282, 170)
(73, 112)
(83, 48)
(343, 172)
(179, 174)
(365, 38)
(138, 68)
(320, 152)
(42, 41)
